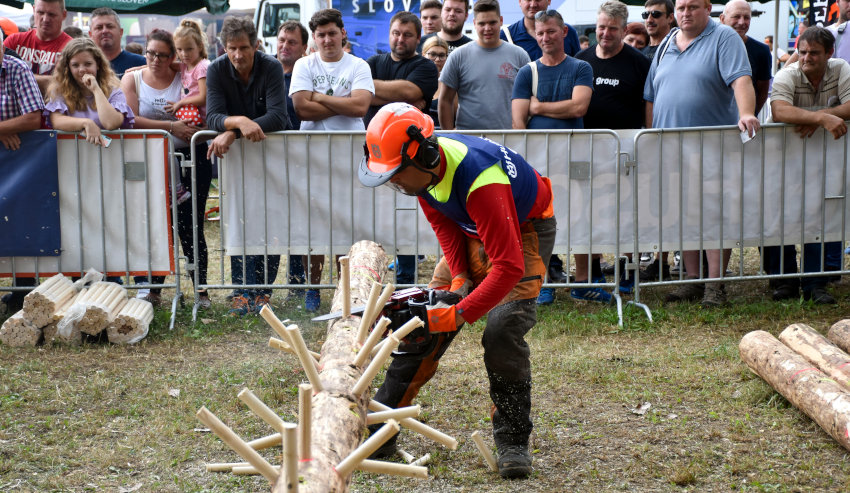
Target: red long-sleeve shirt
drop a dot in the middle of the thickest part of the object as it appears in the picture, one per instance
(492, 209)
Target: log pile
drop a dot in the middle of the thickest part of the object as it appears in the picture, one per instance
(43, 303)
(327, 445)
(131, 324)
(811, 371)
(17, 331)
(56, 312)
(100, 305)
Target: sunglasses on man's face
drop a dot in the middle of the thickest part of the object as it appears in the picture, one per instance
(654, 13)
(547, 13)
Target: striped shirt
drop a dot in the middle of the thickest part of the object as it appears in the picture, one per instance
(19, 92)
(792, 86)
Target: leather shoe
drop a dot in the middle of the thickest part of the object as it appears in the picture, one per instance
(557, 276)
(786, 292)
(819, 296)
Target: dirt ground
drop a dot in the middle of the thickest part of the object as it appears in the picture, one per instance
(113, 418)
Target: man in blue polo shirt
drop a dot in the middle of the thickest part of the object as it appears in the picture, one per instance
(711, 57)
(106, 32)
(521, 32)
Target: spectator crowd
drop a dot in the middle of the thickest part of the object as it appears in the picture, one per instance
(537, 73)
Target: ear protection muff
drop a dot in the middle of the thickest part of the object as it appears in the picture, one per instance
(428, 153)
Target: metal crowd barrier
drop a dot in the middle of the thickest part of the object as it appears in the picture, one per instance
(712, 191)
(302, 195)
(616, 192)
(114, 213)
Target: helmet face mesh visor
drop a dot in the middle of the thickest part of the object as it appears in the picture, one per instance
(370, 178)
(389, 146)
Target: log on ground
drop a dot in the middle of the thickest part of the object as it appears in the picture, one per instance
(338, 416)
(819, 351)
(805, 386)
(839, 334)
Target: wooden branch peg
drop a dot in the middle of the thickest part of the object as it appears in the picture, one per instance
(485, 452)
(369, 373)
(386, 294)
(396, 414)
(289, 468)
(366, 350)
(394, 468)
(419, 427)
(269, 441)
(305, 420)
(225, 466)
(268, 315)
(366, 448)
(408, 327)
(307, 362)
(345, 286)
(233, 441)
(261, 409)
(368, 313)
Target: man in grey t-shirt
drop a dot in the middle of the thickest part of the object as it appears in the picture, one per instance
(482, 75)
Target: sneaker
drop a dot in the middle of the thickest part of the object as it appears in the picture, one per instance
(546, 296)
(598, 295)
(686, 292)
(818, 296)
(312, 300)
(514, 462)
(786, 292)
(714, 295)
(240, 306)
(260, 301)
(646, 257)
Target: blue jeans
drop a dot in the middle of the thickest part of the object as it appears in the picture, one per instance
(811, 263)
(405, 269)
(834, 255)
(296, 270)
(775, 264)
(254, 272)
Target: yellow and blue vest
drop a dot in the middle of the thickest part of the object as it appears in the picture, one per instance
(473, 162)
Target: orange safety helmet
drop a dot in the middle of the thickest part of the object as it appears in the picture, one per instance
(397, 134)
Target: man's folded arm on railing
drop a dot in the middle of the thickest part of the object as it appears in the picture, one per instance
(260, 111)
(10, 128)
(832, 104)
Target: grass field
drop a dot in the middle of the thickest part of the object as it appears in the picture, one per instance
(121, 418)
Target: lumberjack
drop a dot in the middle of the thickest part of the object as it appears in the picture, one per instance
(492, 214)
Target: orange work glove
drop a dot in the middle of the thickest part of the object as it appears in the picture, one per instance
(441, 311)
